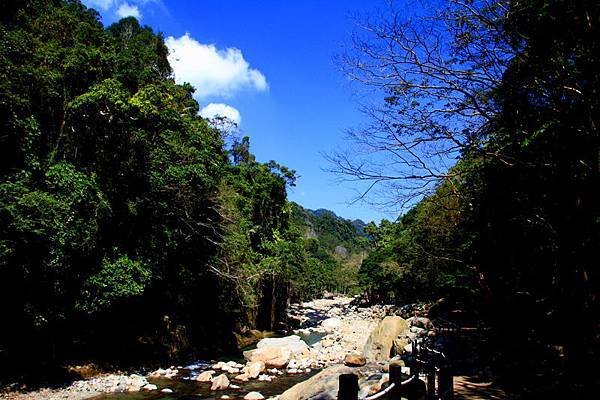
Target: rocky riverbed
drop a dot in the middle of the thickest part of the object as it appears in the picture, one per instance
(330, 336)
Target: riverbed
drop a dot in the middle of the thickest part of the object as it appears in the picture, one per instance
(331, 328)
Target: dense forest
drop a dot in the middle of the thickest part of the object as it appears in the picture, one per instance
(335, 250)
(129, 225)
(132, 230)
(511, 91)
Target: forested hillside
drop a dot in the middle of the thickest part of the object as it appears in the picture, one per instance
(335, 249)
(130, 231)
(134, 231)
(509, 91)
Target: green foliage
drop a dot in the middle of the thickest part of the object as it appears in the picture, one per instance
(333, 250)
(116, 280)
(422, 255)
(513, 229)
(118, 200)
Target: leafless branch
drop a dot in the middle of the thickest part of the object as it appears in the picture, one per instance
(431, 80)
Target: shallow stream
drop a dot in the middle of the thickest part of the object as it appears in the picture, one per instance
(184, 388)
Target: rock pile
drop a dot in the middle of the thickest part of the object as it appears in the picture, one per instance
(113, 384)
(85, 389)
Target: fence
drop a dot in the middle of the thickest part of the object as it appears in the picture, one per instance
(424, 359)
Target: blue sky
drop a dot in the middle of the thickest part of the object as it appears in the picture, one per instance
(268, 64)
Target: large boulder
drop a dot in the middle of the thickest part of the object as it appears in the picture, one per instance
(275, 357)
(276, 352)
(293, 343)
(380, 342)
(322, 386)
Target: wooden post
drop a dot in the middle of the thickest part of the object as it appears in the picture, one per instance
(445, 383)
(348, 387)
(396, 378)
(415, 366)
(430, 381)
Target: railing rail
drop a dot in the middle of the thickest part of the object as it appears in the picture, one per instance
(425, 358)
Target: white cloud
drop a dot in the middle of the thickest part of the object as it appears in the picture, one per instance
(128, 10)
(211, 71)
(116, 9)
(216, 111)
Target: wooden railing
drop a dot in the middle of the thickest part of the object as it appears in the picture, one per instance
(424, 360)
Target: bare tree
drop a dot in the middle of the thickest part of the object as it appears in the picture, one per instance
(433, 77)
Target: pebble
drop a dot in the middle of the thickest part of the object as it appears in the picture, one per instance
(254, 396)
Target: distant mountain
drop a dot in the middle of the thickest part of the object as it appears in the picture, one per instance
(321, 212)
(331, 230)
(359, 226)
(335, 248)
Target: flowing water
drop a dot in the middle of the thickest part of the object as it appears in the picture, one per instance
(185, 388)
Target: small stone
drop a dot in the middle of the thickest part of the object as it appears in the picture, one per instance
(219, 365)
(253, 369)
(242, 377)
(205, 376)
(254, 396)
(166, 390)
(220, 382)
(355, 360)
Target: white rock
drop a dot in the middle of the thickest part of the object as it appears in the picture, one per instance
(254, 396)
(166, 390)
(149, 386)
(293, 343)
(242, 377)
(219, 365)
(220, 382)
(205, 376)
(331, 323)
(253, 369)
